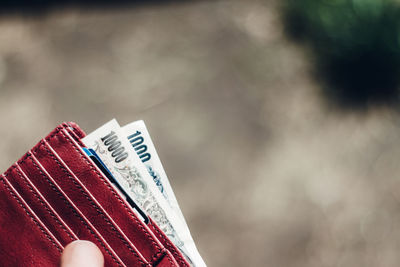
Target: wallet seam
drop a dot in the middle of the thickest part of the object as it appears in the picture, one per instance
(92, 203)
(174, 252)
(27, 212)
(77, 133)
(72, 209)
(159, 253)
(33, 191)
(168, 256)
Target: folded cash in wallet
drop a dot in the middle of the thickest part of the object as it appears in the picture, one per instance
(108, 187)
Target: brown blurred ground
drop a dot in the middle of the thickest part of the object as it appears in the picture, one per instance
(267, 173)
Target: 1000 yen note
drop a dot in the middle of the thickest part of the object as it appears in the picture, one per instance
(113, 148)
(141, 142)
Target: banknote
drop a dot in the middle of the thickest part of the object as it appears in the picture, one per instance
(141, 142)
(114, 149)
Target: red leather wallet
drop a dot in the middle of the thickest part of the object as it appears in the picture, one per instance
(55, 194)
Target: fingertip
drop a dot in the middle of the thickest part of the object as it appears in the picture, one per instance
(80, 253)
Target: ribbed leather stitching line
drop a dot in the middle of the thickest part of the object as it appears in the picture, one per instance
(74, 211)
(169, 259)
(139, 223)
(33, 191)
(95, 206)
(30, 215)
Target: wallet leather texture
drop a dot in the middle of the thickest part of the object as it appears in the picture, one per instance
(55, 194)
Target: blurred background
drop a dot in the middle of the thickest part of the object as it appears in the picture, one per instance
(276, 121)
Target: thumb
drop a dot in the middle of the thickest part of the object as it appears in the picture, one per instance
(81, 253)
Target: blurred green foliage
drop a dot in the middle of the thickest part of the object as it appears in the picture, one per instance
(356, 44)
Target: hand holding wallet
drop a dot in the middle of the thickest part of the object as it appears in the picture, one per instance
(61, 191)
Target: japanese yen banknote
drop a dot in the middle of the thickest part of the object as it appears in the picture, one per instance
(130, 156)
